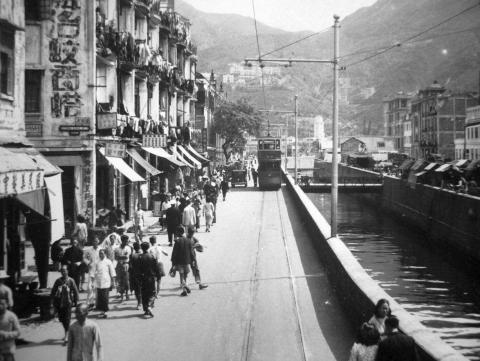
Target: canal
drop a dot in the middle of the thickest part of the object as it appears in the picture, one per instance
(443, 296)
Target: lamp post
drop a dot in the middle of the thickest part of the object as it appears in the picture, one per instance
(334, 192)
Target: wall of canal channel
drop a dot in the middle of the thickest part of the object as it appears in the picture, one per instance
(450, 221)
(355, 289)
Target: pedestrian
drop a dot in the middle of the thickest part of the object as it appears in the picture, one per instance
(90, 258)
(73, 258)
(156, 252)
(224, 187)
(122, 256)
(255, 177)
(208, 210)
(189, 217)
(198, 207)
(366, 344)
(56, 254)
(64, 295)
(396, 346)
(196, 246)
(163, 209)
(138, 223)
(380, 314)
(211, 195)
(174, 219)
(135, 279)
(149, 272)
(5, 291)
(9, 332)
(104, 281)
(84, 341)
(182, 255)
(81, 231)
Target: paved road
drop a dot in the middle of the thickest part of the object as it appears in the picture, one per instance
(268, 298)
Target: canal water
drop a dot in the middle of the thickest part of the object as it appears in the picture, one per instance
(443, 296)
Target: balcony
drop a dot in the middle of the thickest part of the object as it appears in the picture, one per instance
(142, 8)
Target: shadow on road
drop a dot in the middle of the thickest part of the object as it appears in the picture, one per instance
(336, 327)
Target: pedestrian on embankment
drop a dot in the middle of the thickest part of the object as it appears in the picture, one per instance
(174, 219)
(64, 295)
(189, 217)
(73, 258)
(380, 314)
(224, 187)
(122, 256)
(90, 258)
(104, 281)
(149, 272)
(182, 258)
(396, 345)
(135, 279)
(366, 344)
(157, 253)
(196, 246)
(9, 332)
(208, 210)
(84, 341)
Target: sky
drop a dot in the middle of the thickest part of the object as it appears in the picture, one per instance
(290, 15)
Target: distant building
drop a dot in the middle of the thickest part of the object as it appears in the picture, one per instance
(395, 111)
(319, 128)
(472, 135)
(250, 76)
(366, 93)
(438, 119)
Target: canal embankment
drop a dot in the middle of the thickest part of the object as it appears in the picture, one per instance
(355, 289)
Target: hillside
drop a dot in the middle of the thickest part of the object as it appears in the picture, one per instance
(449, 53)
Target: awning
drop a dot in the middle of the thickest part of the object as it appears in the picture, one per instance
(55, 197)
(189, 156)
(181, 159)
(418, 164)
(406, 164)
(120, 165)
(443, 168)
(462, 163)
(49, 169)
(143, 162)
(430, 166)
(420, 173)
(160, 152)
(196, 154)
(19, 173)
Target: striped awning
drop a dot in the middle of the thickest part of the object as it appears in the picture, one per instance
(186, 154)
(120, 165)
(143, 162)
(162, 153)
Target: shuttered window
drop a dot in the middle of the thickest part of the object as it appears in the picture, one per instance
(33, 89)
(7, 42)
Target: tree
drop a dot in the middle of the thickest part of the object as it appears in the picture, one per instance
(233, 122)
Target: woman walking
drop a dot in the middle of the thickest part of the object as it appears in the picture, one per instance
(208, 210)
(65, 295)
(104, 280)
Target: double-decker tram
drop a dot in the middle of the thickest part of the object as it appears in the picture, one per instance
(269, 155)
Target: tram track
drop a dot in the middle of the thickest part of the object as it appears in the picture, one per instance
(254, 284)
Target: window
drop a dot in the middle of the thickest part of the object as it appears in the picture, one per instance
(149, 98)
(7, 43)
(33, 91)
(380, 144)
(137, 98)
(32, 10)
(476, 132)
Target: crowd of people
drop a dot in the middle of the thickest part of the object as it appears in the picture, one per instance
(130, 264)
(379, 339)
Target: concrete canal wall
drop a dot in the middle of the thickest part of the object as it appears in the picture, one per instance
(323, 173)
(448, 219)
(355, 289)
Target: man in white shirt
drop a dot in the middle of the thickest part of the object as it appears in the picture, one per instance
(104, 280)
(189, 218)
(91, 256)
(156, 252)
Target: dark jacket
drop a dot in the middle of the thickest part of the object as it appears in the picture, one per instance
(173, 217)
(147, 267)
(72, 255)
(182, 253)
(397, 347)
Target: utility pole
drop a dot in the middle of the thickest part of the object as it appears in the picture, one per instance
(336, 27)
(334, 203)
(296, 139)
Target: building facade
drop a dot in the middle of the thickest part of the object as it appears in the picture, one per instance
(472, 135)
(110, 98)
(394, 114)
(438, 120)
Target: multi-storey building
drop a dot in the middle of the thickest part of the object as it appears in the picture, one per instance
(112, 88)
(472, 135)
(395, 110)
(250, 76)
(438, 120)
(29, 208)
